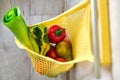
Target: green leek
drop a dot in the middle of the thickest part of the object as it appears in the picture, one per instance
(14, 21)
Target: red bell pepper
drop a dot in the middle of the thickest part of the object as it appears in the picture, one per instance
(56, 34)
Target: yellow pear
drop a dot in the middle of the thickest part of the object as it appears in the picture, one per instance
(64, 49)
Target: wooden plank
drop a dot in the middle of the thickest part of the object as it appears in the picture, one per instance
(115, 32)
(15, 63)
(63, 76)
(34, 19)
(70, 3)
(38, 7)
(46, 17)
(2, 31)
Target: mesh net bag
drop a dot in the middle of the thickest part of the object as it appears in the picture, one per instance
(76, 21)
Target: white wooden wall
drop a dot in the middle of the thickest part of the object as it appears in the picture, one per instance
(16, 65)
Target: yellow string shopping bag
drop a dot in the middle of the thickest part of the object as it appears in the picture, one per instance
(76, 21)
